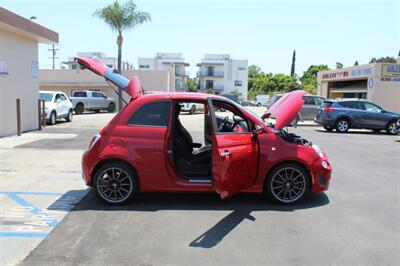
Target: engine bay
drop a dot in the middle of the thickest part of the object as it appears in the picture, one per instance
(293, 138)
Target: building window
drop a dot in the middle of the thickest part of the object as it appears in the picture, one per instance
(238, 83)
(73, 66)
(241, 68)
(144, 66)
(178, 84)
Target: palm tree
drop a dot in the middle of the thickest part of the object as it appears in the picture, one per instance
(121, 18)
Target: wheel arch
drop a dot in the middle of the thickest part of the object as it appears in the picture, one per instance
(298, 163)
(114, 160)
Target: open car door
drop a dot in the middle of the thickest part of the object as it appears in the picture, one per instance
(235, 153)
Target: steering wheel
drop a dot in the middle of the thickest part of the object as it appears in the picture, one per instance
(222, 125)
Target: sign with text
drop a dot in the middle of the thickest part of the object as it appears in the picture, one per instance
(390, 70)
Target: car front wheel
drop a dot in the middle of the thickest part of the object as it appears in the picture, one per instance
(69, 116)
(193, 110)
(288, 183)
(111, 108)
(115, 183)
(391, 128)
(342, 125)
(53, 118)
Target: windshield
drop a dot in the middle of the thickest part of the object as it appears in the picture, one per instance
(47, 97)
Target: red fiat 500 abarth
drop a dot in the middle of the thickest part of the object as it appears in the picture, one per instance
(149, 147)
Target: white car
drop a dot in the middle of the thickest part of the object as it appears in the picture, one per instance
(57, 105)
(192, 107)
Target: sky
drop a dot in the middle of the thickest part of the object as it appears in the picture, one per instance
(262, 31)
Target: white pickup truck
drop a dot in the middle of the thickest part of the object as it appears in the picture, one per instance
(91, 100)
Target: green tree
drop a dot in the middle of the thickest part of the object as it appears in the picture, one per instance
(191, 85)
(356, 63)
(121, 18)
(254, 71)
(309, 78)
(293, 67)
(387, 59)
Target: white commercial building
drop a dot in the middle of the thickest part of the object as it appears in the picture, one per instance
(377, 82)
(109, 61)
(19, 70)
(171, 62)
(223, 75)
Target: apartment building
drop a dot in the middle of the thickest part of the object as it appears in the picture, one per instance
(223, 75)
(171, 62)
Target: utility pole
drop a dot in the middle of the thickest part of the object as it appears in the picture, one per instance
(53, 56)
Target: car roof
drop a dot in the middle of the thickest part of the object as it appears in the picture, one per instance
(182, 96)
(51, 92)
(347, 100)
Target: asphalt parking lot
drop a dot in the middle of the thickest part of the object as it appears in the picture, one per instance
(355, 222)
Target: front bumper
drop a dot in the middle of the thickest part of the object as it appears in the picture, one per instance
(321, 175)
(88, 162)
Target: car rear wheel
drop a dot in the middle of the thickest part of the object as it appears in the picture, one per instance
(53, 118)
(111, 108)
(328, 128)
(342, 125)
(391, 128)
(115, 183)
(193, 110)
(69, 116)
(79, 109)
(288, 183)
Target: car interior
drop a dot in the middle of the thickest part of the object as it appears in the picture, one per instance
(194, 160)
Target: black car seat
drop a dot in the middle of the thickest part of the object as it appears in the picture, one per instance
(188, 161)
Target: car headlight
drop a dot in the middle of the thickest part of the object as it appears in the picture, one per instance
(318, 150)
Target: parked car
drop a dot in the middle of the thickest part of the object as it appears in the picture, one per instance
(57, 105)
(308, 110)
(91, 100)
(191, 108)
(262, 100)
(355, 113)
(146, 148)
(247, 103)
(274, 99)
(398, 126)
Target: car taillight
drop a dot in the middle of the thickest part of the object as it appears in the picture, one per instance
(94, 140)
(328, 109)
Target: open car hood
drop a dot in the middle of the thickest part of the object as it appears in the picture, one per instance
(132, 87)
(286, 109)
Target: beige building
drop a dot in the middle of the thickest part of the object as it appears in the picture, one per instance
(378, 83)
(19, 70)
(69, 80)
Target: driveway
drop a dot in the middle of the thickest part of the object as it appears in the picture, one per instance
(355, 222)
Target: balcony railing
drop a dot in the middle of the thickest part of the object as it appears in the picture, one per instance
(206, 73)
(218, 88)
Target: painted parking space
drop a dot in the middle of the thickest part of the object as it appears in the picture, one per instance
(26, 218)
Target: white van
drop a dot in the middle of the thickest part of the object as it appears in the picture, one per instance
(262, 100)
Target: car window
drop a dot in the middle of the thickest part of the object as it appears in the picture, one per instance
(309, 100)
(349, 104)
(57, 97)
(80, 94)
(62, 97)
(319, 100)
(229, 118)
(97, 94)
(46, 96)
(372, 108)
(152, 114)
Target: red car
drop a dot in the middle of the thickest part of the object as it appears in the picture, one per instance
(149, 147)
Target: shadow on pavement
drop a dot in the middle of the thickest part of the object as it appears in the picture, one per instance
(381, 133)
(241, 206)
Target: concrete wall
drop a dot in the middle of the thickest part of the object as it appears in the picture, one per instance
(21, 55)
(68, 80)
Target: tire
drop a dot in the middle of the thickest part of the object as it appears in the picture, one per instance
(281, 184)
(128, 189)
(69, 116)
(79, 109)
(391, 128)
(53, 118)
(258, 104)
(328, 128)
(193, 110)
(342, 125)
(111, 108)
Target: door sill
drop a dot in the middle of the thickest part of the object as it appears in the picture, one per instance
(203, 181)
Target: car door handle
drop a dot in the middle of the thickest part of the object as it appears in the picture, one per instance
(226, 153)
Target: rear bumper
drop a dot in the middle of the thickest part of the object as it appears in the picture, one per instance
(88, 163)
(324, 122)
(321, 175)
